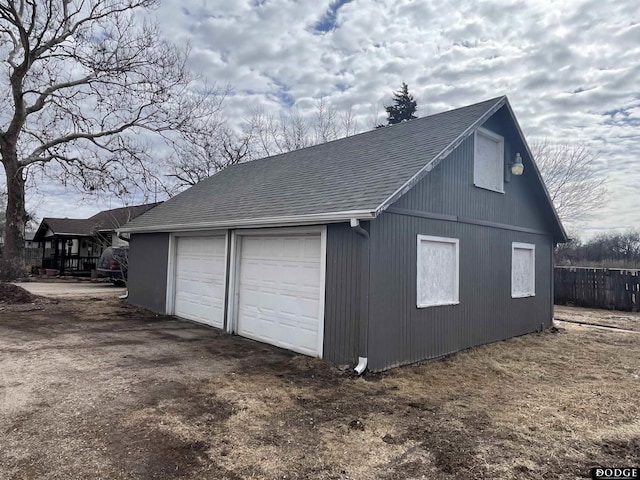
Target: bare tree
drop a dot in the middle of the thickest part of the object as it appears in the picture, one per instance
(611, 249)
(3, 206)
(193, 161)
(88, 86)
(331, 124)
(217, 147)
(570, 173)
(270, 135)
(294, 131)
(264, 132)
(326, 124)
(348, 122)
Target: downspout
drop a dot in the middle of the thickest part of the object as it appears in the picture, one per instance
(363, 293)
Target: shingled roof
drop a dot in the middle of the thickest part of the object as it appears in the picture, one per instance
(64, 226)
(86, 227)
(354, 177)
(114, 218)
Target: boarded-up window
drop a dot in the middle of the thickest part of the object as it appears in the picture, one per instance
(523, 270)
(488, 162)
(437, 281)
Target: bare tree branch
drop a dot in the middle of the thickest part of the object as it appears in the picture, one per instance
(572, 178)
(192, 162)
(293, 130)
(90, 90)
(262, 135)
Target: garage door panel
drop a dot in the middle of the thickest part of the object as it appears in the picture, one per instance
(292, 247)
(268, 273)
(251, 322)
(305, 310)
(290, 321)
(310, 277)
(279, 291)
(200, 279)
(297, 340)
(311, 245)
(289, 305)
(252, 248)
(252, 269)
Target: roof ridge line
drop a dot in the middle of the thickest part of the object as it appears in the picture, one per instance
(367, 132)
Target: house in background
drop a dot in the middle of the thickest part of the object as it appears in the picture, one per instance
(32, 249)
(75, 244)
(385, 248)
(29, 243)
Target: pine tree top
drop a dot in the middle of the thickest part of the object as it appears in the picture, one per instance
(404, 106)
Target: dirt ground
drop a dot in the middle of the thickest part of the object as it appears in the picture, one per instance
(12, 294)
(98, 389)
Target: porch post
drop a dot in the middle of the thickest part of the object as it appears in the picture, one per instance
(63, 256)
(55, 242)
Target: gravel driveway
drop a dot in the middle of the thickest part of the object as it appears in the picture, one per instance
(93, 388)
(73, 289)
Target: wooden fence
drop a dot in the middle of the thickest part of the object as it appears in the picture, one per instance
(610, 288)
(33, 257)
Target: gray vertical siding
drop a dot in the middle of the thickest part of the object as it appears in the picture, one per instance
(148, 254)
(342, 306)
(400, 333)
(449, 189)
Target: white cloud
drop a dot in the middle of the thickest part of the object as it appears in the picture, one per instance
(570, 68)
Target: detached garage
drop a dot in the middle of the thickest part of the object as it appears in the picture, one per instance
(384, 248)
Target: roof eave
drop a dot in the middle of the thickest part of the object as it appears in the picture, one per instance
(282, 221)
(70, 234)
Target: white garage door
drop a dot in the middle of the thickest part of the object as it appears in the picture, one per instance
(200, 279)
(279, 292)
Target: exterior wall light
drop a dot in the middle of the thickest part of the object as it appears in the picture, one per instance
(516, 166)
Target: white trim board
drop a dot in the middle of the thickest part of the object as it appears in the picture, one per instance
(272, 222)
(477, 168)
(532, 248)
(323, 289)
(171, 276)
(232, 292)
(456, 270)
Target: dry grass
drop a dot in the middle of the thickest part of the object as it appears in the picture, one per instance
(104, 390)
(611, 318)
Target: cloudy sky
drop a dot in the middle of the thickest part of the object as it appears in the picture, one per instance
(570, 68)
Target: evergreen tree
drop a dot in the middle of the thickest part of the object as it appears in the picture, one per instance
(404, 106)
